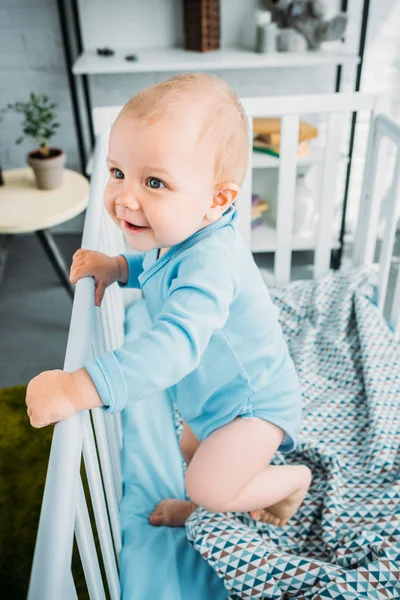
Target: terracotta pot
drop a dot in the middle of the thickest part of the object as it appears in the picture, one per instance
(48, 171)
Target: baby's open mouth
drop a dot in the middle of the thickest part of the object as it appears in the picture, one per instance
(133, 227)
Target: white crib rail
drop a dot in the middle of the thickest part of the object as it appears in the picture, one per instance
(64, 502)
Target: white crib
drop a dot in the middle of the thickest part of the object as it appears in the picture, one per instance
(64, 510)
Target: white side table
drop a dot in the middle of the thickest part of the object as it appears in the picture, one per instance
(24, 208)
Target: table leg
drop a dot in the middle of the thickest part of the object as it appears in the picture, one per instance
(54, 254)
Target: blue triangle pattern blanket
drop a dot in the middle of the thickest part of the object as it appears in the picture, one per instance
(344, 541)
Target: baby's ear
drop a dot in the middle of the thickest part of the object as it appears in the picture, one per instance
(224, 196)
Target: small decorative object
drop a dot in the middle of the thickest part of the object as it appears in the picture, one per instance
(40, 124)
(308, 18)
(105, 52)
(290, 40)
(305, 215)
(131, 57)
(266, 32)
(267, 136)
(258, 208)
(201, 24)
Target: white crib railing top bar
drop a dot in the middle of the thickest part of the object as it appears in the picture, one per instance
(104, 116)
(53, 551)
(318, 103)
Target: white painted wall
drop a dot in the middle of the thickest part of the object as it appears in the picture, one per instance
(31, 59)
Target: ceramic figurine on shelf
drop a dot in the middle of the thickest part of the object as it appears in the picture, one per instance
(305, 215)
(309, 18)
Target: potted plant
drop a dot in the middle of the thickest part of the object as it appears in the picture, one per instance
(40, 124)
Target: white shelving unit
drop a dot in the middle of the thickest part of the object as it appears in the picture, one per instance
(156, 38)
(178, 59)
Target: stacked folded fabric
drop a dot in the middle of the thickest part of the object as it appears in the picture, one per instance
(258, 208)
(267, 136)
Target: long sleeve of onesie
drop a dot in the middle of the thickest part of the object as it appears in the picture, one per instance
(198, 304)
(135, 268)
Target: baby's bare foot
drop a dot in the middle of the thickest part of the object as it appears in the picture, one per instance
(172, 512)
(282, 511)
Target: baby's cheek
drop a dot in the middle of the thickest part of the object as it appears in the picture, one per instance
(109, 204)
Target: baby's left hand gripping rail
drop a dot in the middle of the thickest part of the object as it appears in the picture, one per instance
(63, 498)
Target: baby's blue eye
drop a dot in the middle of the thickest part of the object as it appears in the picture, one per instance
(118, 174)
(155, 183)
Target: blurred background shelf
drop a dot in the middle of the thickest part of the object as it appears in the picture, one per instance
(178, 59)
(263, 239)
(261, 160)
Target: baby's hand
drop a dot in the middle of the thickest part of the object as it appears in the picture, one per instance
(105, 270)
(48, 398)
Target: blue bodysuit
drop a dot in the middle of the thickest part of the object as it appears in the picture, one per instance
(215, 341)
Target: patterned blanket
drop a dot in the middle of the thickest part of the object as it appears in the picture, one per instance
(344, 542)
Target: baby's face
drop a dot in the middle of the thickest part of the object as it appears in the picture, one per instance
(161, 181)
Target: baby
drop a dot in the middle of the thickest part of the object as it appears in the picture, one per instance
(178, 154)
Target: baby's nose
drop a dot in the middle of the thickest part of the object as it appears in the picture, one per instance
(127, 200)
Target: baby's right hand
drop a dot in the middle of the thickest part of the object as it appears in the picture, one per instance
(88, 263)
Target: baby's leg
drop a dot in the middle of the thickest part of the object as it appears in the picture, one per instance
(171, 511)
(229, 472)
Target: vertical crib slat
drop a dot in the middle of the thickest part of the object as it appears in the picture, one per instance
(100, 509)
(113, 434)
(69, 589)
(243, 200)
(389, 235)
(108, 477)
(327, 195)
(112, 340)
(100, 345)
(394, 320)
(87, 548)
(367, 224)
(286, 191)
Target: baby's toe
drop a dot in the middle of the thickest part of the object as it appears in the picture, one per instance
(155, 519)
(255, 514)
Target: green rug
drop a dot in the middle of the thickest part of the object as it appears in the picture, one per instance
(24, 453)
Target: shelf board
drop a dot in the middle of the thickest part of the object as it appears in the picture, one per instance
(178, 59)
(261, 160)
(263, 239)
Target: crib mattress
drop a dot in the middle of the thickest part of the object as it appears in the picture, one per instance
(156, 562)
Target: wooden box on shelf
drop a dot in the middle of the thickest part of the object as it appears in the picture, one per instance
(201, 24)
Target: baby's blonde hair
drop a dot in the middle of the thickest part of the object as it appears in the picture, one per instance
(226, 123)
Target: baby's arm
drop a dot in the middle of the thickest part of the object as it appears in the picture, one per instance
(198, 304)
